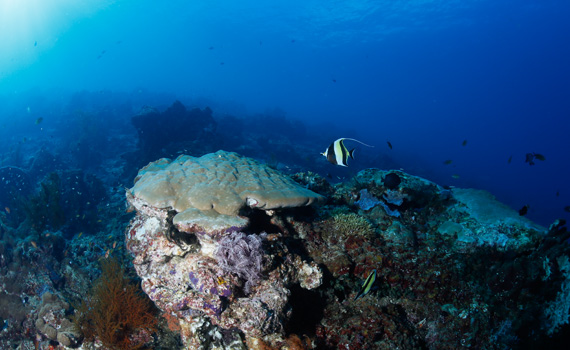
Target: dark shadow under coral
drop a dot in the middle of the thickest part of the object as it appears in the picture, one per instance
(308, 310)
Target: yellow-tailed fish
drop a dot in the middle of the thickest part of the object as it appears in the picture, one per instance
(367, 285)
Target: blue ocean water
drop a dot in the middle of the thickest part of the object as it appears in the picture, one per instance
(460, 92)
(423, 75)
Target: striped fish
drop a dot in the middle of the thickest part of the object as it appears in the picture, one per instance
(338, 154)
(367, 285)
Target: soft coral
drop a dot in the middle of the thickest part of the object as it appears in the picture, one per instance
(242, 255)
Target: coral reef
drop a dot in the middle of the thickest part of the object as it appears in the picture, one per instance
(53, 323)
(233, 256)
(445, 276)
(241, 289)
(206, 194)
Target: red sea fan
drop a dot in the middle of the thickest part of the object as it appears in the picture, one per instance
(116, 311)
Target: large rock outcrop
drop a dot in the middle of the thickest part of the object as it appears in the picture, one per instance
(185, 208)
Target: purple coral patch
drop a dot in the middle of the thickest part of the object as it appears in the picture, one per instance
(217, 311)
(242, 255)
(193, 279)
(233, 229)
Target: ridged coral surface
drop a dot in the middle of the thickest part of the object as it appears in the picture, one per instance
(223, 181)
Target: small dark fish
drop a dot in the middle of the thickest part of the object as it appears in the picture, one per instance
(529, 159)
(338, 154)
(510, 159)
(39, 120)
(292, 40)
(35, 43)
(389, 144)
(464, 143)
(557, 193)
(447, 162)
(367, 285)
(211, 48)
(567, 208)
(334, 80)
(221, 63)
(524, 210)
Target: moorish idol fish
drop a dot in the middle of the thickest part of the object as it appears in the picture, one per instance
(338, 154)
(367, 285)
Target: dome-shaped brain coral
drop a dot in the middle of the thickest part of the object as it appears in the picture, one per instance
(223, 182)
